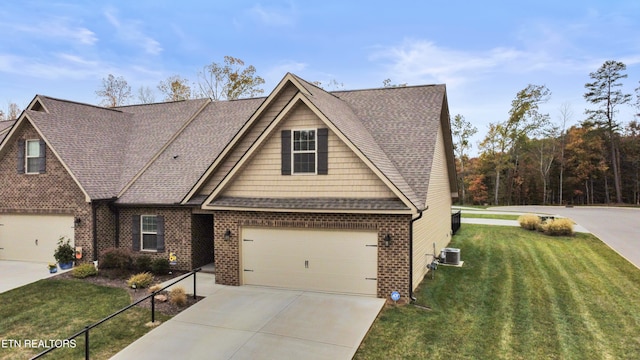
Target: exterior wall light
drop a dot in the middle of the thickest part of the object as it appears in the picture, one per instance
(77, 221)
(387, 240)
(227, 235)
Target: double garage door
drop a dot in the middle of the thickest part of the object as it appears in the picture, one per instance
(33, 237)
(311, 259)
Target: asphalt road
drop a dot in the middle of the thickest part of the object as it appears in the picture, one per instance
(617, 227)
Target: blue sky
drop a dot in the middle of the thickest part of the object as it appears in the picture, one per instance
(483, 51)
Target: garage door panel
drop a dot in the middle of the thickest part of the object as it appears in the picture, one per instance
(321, 260)
(33, 237)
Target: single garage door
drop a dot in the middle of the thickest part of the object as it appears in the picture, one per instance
(311, 259)
(33, 237)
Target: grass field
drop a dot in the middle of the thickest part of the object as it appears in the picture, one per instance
(490, 216)
(57, 309)
(519, 295)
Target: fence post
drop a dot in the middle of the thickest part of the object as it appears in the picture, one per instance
(153, 308)
(194, 284)
(86, 342)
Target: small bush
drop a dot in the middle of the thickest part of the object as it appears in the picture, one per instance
(141, 280)
(177, 296)
(83, 271)
(529, 221)
(160, 266)
(115, 258)
(560, 227)
(143, 263)
(155, 288)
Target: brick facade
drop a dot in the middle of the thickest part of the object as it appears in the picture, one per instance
(393, 261)
(54, 192)
(177, 233)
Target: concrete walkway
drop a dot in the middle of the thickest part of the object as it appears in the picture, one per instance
(617, 227)
(247, 322)
(19, 273)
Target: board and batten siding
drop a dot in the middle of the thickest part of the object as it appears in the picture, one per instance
(286, 94)
(435, 224)
(348, 176)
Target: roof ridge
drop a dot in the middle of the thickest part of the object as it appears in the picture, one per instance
(387, 88)
(78, 103)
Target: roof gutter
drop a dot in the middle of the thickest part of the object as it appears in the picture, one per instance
(411, 297)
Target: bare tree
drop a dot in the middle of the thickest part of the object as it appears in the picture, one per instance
(114, 91)
(13, 111)
(175, 88)
(229, 81)
(146, 95)
(565, 115)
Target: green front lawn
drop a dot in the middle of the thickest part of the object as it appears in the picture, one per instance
(519, 295)
(56, 309)
(490, 216)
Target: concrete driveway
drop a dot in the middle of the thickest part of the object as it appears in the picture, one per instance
(250, 322)
(20, 273)
(617, 227)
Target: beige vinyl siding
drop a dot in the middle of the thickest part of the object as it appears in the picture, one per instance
(435, 224)
(287, 93)
(348, 175)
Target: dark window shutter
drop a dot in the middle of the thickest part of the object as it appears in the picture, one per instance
(323, 151)
(135, 232)
(42, 161)
(160, 232)
(286, 152)
(21, 155)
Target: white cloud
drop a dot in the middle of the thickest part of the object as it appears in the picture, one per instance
(420, 61)
(56, 28)
(274, 17)
(130, 32)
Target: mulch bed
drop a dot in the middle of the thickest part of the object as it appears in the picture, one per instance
(118, 279)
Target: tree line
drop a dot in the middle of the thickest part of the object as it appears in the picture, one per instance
(530, 159)
(227, 81)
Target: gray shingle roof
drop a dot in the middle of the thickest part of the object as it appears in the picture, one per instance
(180, 166)
(5, 126)
(311, 203)
(395, 128)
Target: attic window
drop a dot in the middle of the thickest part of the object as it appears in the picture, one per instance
(31, 156)
(304, 151)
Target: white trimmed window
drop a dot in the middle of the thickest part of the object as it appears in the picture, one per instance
(149, 232)
(32, 156)
(304, 151)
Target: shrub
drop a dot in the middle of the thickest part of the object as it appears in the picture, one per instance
(140, 280)
(64, 253)
(155, 288)
(560, 227)
(115, 258)
(529, 221)
(160, 266)
(143, 263)
(177, 296)
(84, 270)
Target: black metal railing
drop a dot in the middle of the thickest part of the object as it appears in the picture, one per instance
(455, 221)
(86, 329)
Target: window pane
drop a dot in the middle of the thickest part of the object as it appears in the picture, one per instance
(33, 165)
(149, 224)
(296, 146)
(296, 135)
(304, 163)
(149, 241)
(33, 148)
